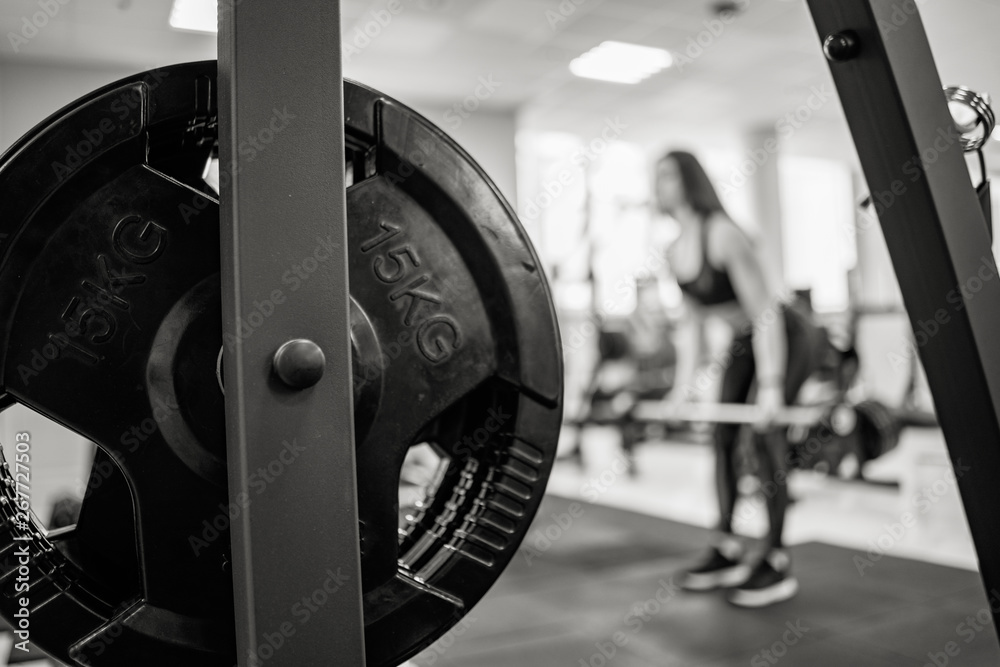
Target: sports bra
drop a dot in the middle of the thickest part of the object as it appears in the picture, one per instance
(711, 286)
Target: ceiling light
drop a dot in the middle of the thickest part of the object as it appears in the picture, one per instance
(195, 15)
(620, 62)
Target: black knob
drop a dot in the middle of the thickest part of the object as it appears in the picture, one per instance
(841, 46)
(299, 363)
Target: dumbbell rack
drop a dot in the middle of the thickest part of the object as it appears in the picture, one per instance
(275, 205)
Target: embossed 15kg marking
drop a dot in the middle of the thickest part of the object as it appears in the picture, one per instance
(437, 335)
(91, 316)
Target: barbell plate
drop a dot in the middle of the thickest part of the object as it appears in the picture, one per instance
(112, 327)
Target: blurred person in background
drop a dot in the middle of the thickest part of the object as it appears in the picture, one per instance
(773, 351)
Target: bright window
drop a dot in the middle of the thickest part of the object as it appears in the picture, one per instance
(817, 212)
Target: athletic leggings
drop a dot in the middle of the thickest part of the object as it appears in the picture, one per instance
(772, 446)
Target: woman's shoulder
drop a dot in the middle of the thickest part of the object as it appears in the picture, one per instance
(725, 238)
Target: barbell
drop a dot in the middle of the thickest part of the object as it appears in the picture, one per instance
(724, 413)
(623, 408)
(869, 428)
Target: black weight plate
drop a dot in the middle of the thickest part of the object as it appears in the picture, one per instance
(878, 428)
(109, 291)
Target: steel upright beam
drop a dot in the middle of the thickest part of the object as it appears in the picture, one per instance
(296, 565)
(936, 234)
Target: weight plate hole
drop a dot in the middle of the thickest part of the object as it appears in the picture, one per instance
(54, 465)
(424, 468)
(211, 174)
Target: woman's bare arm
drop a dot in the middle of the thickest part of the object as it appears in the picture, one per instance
(688, 343)
(770, 344)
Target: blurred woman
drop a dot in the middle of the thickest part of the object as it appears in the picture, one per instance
(772, 353)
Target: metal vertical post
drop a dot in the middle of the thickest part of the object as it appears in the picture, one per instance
(936, 234)
(296, 563)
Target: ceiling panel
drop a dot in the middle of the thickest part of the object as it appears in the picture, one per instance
(600, 28)
(755, 70)
(519, 20)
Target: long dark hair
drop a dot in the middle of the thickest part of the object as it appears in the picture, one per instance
(698, 187)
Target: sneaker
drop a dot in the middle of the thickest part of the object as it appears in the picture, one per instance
(721, 568)
(770, 582)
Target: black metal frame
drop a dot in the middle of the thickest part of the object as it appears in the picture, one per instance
(282, 203)
(936, 233)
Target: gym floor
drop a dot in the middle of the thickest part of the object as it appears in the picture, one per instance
(674, 481)
(874, 592)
